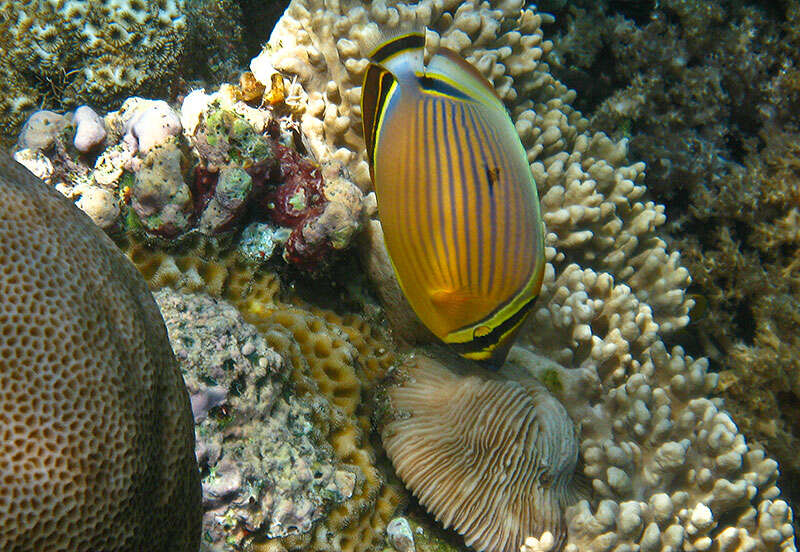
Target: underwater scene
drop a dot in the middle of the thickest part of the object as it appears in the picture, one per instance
(399, 276)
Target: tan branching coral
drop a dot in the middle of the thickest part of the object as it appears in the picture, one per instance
(592, 201)
(98, 447)
(669, 469)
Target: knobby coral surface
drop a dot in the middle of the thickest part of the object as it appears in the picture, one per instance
(708, 94)
(213, 168)
(98, 446)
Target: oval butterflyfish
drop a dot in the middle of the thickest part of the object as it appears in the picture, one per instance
(457, 200)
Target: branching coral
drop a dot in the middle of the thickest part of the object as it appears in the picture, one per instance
(668, 467)
(708, 94)
(593, 204)
(612, 290)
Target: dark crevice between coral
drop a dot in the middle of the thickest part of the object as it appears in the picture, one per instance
(639, 10)
(789, 405)
(258, 21)
(744, 321)
(596, 83)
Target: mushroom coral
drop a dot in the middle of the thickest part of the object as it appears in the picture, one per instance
(467, 433)
(97, 433)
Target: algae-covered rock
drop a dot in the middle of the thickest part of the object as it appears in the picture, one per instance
(266, 467)
(159, 196)
(233, 189)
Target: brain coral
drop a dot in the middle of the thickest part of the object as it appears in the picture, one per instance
(663, 456)
(98, 448)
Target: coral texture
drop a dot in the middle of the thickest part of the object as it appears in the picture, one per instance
(708, 94)
(65, 53)
(612, 290)
(668, 467)
(494, 459)
(211, 168)
(266, 468)
(592, 202)
(97, 434)
(328, 360)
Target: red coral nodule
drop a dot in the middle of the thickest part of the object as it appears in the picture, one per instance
(205, 182)
(303, 254)
(299, 189)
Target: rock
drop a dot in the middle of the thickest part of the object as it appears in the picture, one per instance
(41, 129)
(159, 196)
(399, 534)
(90, 130)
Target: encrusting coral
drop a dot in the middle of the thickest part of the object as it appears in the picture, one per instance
(98, 448)
(612, 291)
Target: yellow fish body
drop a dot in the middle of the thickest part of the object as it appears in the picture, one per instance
(456, 197)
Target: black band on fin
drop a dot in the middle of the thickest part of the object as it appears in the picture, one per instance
(493, 337)
(401, 43)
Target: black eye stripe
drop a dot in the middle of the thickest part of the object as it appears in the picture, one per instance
(484, 341)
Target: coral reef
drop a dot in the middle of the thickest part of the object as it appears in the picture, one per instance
(667, 467)
(612, 290)
(214, 167)
(596, 215)
(708, 96)
(57, 55)
(97, 431)
(327, 360)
